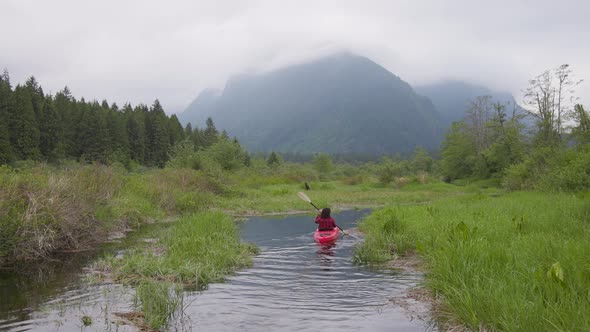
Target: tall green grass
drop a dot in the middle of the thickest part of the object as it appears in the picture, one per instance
(196, 250)
(517, 262)
(159, 301)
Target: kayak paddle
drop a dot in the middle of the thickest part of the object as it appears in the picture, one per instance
(304, 197)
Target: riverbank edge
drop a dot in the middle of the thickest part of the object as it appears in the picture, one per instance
(415, 299)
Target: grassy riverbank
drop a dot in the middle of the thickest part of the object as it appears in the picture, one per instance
(195, 250)
(495, 260)
(514, 262)
(192, 252)
(46, 209)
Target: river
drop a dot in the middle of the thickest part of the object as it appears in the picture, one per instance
(293, 285)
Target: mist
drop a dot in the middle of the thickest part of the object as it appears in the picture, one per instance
(138, 51)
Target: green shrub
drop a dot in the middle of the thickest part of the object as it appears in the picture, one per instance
(388, 170)
(571, 173)
(551, 169)
(228, 154)
(183, 155)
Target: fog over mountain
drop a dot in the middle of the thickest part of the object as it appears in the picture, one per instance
(340, 104)
(451, 98)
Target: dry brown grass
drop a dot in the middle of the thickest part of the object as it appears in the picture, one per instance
(400, 182)
(44, 210)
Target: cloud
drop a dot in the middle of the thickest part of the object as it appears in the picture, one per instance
(136, 51)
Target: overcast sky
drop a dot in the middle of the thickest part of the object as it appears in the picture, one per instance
(136, 51)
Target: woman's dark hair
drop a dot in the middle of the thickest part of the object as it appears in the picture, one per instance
(326, 213)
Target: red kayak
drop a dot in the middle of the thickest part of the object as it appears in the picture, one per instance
(326, 236)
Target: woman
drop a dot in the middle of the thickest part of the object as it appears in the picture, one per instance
(324, 221)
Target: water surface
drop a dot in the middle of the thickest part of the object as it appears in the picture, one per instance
(298, 285)
(293, 285)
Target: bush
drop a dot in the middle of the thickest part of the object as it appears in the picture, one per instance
(526, 174)
(518, 177)
(388, 170)
(322, 163)
(183, 155)
(572, 173)
(227, 154)
(551, 169)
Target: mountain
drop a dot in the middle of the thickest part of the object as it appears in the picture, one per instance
(338, 104)
(451, 98)
(194, 112)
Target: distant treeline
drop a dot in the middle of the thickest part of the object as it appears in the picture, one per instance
(39, 126)
(350, 158)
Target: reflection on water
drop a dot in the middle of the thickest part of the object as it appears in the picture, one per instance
(294, 285)
(326, 254)
(54, 296)
(299, 285)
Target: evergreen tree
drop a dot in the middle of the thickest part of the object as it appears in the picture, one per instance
(24, 132)
(175, 130)
(65, 105)
(6, 154)
(104, 111)
(158, 137)
(247, 160)
(210, 135)
(188, 130)
(92, 135)
(51, 132)
(136, 132)
(119, 139)
(273, 160)
(37, 97)
(34, 126)
(198, 138)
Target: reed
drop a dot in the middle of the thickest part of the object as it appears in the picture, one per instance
(159, 301)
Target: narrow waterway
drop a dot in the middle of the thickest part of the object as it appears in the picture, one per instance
(294, 285)
(298, 285)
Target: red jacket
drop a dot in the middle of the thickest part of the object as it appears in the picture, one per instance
(325, 224)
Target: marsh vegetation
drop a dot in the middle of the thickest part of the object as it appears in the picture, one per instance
(500, 219)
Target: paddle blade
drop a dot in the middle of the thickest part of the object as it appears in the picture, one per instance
(304, 197)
